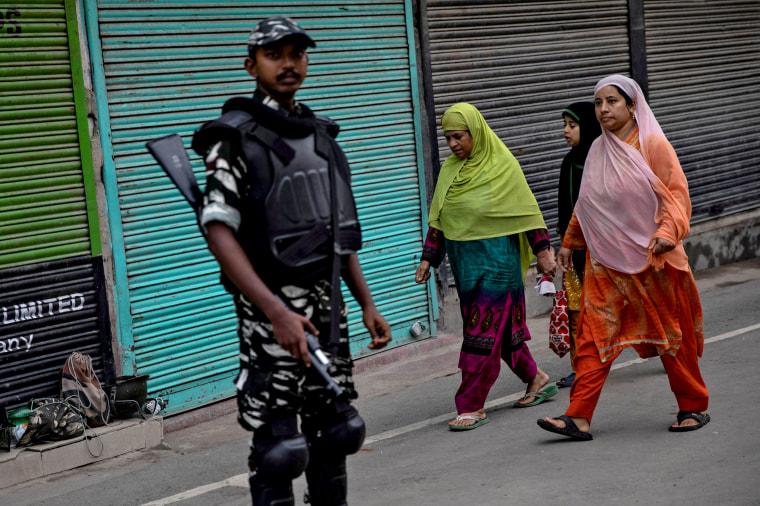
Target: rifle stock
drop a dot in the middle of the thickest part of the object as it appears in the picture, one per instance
(170, 154)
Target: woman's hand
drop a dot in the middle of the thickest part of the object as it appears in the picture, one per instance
(423, 272)
(660, 245)
(545, 263)
(565, 259)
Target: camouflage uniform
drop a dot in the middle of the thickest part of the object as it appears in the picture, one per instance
(242, 169)
(271, 381)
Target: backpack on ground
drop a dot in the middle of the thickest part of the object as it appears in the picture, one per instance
(81, 389)
(51, 420)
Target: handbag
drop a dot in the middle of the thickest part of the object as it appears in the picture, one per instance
(559, 324)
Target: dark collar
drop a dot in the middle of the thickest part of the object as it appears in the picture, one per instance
(301, 124)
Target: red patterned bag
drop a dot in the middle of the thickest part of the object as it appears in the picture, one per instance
(559, 325)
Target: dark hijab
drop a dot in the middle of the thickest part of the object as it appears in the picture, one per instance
(572, 166)
(571, 171)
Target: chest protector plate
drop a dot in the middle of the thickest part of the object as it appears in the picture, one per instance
(297, 207)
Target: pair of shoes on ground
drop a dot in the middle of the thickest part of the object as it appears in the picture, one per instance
(572, 431)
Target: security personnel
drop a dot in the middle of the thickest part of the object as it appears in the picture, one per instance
(278, 186)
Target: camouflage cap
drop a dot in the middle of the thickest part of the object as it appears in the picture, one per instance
(274, 29)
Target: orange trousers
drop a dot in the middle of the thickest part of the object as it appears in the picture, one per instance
(572, 317)
(683, 374)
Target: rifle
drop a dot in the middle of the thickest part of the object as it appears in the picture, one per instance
(170, 154)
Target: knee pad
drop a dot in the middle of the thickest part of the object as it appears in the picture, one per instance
(285, 459)
(347, 435)
(343, 432)
(279, 457)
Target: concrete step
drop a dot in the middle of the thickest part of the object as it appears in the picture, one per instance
(116, 438)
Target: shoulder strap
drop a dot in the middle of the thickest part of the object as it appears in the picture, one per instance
(336, 260)
(326, 131)
(224, 127)
(273, 141)
(330, 126)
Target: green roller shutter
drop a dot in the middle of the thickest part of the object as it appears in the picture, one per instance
(43, 194)
(167, 67)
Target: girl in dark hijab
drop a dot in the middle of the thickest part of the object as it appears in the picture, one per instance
(581, 129)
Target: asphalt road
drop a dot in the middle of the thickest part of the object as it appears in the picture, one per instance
(410, 457)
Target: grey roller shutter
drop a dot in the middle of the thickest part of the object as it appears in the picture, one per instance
(521, 64)
(704, 82)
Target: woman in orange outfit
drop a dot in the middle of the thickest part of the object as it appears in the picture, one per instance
(632, 214)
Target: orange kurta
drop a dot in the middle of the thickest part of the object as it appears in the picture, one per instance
(642, 310)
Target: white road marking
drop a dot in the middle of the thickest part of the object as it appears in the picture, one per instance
(512, 398)
(733, 333)
(241, 480)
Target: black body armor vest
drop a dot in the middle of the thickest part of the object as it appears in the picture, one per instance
(286, 220)
(297, 207)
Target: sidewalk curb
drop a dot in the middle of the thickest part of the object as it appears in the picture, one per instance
(404, 352)
(117, 438)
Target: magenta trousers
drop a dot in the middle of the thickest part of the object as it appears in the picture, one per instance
(475, 386)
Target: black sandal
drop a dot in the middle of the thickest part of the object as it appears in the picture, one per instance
(703, 420)
(567, 381)
(570, 430)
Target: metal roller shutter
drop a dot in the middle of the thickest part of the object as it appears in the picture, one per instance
(704, 72)
(521, 64)
(51, 294)
(167, 67)
(49, 310)
(43, 204)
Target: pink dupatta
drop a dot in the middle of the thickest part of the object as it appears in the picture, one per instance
(623, 205)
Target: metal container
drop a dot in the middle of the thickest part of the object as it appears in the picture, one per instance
(127, 395)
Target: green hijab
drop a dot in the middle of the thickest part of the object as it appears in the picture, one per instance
(486, 194)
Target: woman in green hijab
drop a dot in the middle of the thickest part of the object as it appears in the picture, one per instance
(485, 217)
